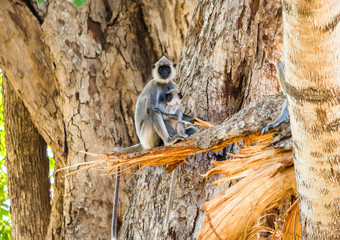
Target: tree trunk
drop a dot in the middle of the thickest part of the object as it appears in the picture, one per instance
(28, 170)
(312, 50)
(79, 72)
(218, 76)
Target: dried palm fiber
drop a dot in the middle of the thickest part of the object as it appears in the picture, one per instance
(292, 228)
(286, 228)
(170, 156)
(266, 176)
(238, 127)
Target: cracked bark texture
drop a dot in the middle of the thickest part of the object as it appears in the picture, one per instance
(228, 60)
(27, 170)
(79, 72)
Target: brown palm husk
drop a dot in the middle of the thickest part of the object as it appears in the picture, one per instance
(266, 176)
(292, 226)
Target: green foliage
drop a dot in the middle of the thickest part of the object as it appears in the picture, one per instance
(77, 3)
(51, 162)
(5, 223)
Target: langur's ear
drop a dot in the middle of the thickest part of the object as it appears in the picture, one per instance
(153, 65)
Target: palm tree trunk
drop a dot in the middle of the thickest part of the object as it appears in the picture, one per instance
(311, 51)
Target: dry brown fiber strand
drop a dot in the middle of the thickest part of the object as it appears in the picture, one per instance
(266, 176)
(171, 156)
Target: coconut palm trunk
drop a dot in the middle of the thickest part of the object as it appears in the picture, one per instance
(312, 62)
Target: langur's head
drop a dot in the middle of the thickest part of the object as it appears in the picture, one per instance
(163, 70)
(173, 97)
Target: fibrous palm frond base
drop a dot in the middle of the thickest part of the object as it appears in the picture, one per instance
(265, 177)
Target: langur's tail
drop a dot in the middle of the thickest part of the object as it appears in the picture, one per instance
(134, 148)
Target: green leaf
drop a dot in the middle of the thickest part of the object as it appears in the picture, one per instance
(40, 1)
(50, 157)
(79, 3)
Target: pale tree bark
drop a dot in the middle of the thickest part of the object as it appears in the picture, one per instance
(227, 62)
(79, 72)
(312, 50)
(28, 170)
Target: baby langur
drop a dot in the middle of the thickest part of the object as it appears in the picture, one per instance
(173, 113)
(152, 130)
(284, 113)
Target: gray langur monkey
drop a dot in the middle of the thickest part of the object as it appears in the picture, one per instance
(284, 113)
(150, 125)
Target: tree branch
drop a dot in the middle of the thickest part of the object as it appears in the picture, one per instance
(249, 120)
(26, 64)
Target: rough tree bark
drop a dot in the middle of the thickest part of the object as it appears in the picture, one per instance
(227, 62)
(28, 170)
(229, 57)
(312, 50)
(79, 72)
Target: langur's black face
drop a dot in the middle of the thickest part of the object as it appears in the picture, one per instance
(164, 71)
(175, 95)
(168, 97)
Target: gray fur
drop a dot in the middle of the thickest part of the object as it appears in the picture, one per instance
(150, 126)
